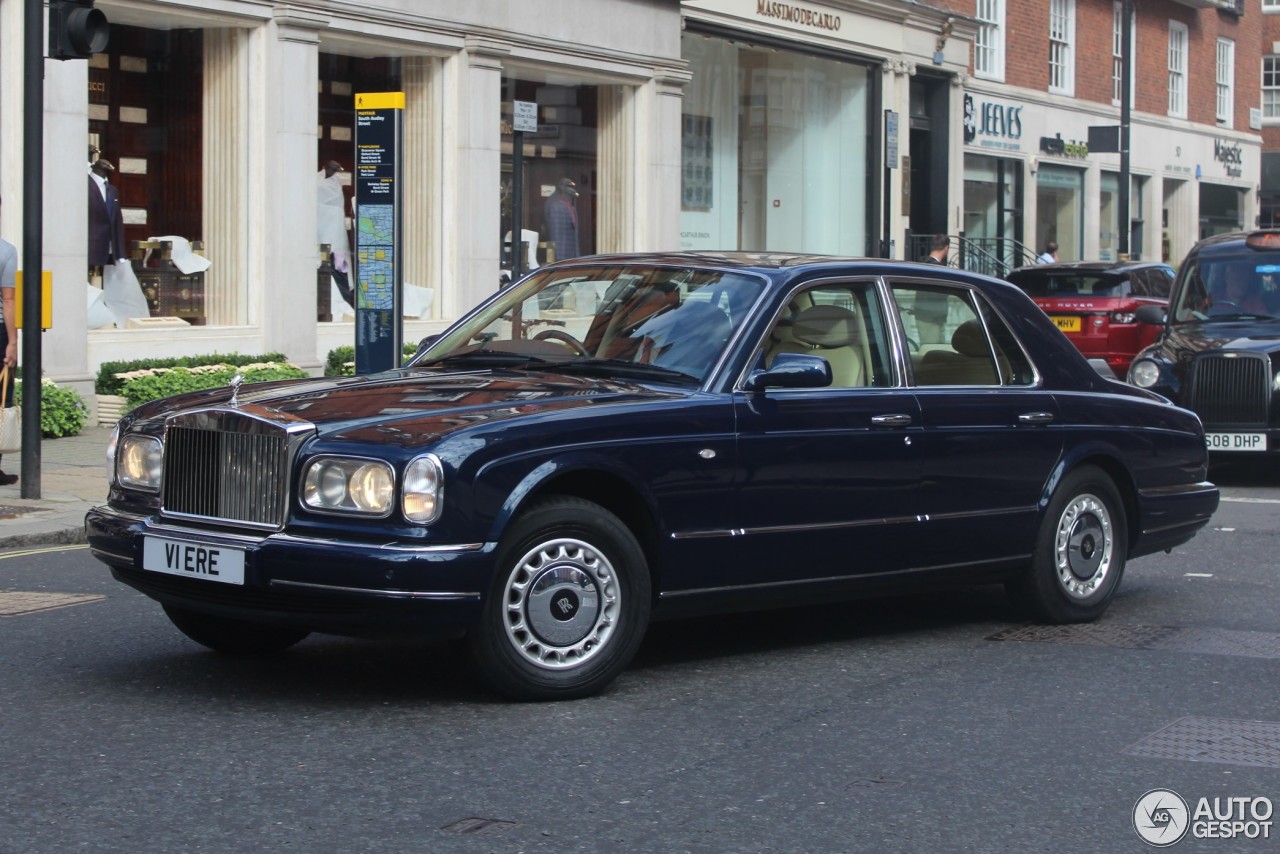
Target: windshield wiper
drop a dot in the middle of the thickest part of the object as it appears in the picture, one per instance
(487, 358)
(622, 367)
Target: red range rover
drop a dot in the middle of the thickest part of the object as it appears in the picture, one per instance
(1094, 303)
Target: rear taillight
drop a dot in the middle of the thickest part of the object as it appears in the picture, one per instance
(1123, 317)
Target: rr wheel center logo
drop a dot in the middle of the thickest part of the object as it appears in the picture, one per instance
(564, 605)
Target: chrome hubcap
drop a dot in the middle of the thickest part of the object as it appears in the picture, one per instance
(1083, 546)
(561, 604)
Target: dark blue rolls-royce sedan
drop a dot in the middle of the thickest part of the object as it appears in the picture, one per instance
(616, 439)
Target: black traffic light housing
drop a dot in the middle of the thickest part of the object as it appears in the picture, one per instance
(76, 29)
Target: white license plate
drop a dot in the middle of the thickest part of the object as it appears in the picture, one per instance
(193, 560)
(1236, 441)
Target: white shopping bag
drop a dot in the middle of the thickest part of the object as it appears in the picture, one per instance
(122, 294)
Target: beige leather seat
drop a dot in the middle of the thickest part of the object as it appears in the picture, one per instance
(829, 331)
(968, 362)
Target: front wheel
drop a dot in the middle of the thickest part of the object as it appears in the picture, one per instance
(233, 637)
(568, 606)
(1080, 551)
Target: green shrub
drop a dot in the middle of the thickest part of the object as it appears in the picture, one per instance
(62, 410)
(341, 361)
(151, 384)
(108, 383)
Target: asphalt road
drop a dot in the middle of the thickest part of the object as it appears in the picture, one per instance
(892, 725)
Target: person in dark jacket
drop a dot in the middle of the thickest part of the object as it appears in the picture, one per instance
(938, 246)
(560, 218)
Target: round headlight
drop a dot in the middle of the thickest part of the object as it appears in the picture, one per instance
(371, 488)
(140, 462)
(325, 485)
(1144, 373)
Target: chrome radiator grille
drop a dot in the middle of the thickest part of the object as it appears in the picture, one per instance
(1231, 390)
(226, 476)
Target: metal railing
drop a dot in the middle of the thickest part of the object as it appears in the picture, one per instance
(991, 256)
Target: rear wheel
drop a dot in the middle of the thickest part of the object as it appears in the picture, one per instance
(1080, 551)
(233, 637)
(568, 606)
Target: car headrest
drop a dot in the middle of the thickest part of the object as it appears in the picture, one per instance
(826, 326)
(969, 340)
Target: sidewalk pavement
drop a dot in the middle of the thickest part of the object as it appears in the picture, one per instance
(73, 478)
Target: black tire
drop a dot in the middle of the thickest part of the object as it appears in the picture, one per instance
(233, 637)
(568, 606)
(1080, 552)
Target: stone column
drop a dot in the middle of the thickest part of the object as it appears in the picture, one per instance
(616, 146)
(281, 228)
(421, 178)
(470, 179)
(226, 171)
(658, 154)
(65, 351)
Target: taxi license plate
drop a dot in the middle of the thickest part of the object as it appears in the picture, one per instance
(1067, 324)
(1236, 441)
(194, 560)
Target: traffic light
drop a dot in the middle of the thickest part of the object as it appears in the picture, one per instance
(76, 29)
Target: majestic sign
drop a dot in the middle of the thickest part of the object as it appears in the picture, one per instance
(1231, 156)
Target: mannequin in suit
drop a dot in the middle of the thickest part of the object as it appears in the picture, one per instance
(106, 221)
(560, 219)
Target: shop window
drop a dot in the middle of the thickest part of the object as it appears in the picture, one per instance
(560, 178)
(774, 149)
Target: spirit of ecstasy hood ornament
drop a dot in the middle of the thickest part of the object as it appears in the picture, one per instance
(236, 382)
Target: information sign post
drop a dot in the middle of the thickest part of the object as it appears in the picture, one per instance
(379, 273)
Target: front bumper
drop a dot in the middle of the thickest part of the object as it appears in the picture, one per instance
(324, 585)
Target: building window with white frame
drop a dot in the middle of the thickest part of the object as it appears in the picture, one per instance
(1117, 56)
(988, 46)
(1062, 34)
(1271, 5)
(1177, 69)
(1226, 75)
(1271, 87)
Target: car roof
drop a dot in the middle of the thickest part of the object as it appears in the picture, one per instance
(1095, 267)
(1228, 241)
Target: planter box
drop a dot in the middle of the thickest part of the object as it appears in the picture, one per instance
(110, 408)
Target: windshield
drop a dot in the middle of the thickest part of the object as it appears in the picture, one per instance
(1246, 283)
(629, 320)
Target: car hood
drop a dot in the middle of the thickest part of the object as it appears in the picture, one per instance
(1250, 335)
(409, 407)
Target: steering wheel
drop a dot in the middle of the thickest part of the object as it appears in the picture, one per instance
(1225, 306)
(564, 338)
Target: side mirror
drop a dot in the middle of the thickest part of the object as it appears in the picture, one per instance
(1152, 315)
(792, 370)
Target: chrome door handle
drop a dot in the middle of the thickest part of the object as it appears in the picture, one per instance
(890, 420)
(1036, 418)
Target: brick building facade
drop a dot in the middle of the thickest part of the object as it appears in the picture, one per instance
(1041, 74)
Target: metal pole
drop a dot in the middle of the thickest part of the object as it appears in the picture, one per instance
(1126, 84)
(32, 242)
(517, 204)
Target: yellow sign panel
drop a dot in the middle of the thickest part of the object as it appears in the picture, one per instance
(1068, 324)
(380, 101)
(46, 299)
